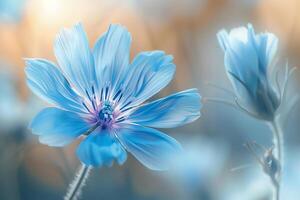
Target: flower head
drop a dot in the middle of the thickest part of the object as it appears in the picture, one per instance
(99, 94)
(248, 58)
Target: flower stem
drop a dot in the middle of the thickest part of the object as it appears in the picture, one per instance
(278, 144)
(277, 192)
(76, 186)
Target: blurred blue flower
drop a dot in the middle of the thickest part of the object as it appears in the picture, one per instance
(99, 94)
(199, 166)
(11, 10)
(10, 103)
(15, 111)
(248, 61)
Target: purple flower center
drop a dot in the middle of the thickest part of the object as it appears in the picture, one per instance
(106, 115)
(105, 110)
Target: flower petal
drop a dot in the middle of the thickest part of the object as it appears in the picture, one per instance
(57, 127)
(223, 39)
(172, 111)
(151, 147)
(148, 74)
(47, 82)
(247, 58)
(241, 58)
(75, 58)
(266, 47)
(100, 149)
(111, 55)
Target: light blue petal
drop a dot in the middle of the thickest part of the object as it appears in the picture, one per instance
(152, 148)
(57, 127)
(240, 57)
(148, 74)
(242, 60)
(223, 39)
(172, 111)
(266, 47)
(240, 34)
(111, 54)
(245, 93)
(72, 52)
(247, 58)
(240, 54)
(240, 68)
(47, 82)
(269, 47)
(100, 149)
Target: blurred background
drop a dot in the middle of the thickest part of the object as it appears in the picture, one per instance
(213, 144)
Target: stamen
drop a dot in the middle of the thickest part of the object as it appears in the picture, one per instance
(94, 106)
(106, 92)
(127, 109)
(94, 94)
(101, 94)
(120, 97)
(121, 109)
(93, 90)
(92, 99)
(116, 95)
(86, 107)
(88, 95)
(121, 119)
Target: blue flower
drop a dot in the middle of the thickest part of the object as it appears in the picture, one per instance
(100, 95)
(248, 60)
(11, 10)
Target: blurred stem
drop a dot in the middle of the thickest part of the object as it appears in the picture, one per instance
(278, 144)
(76, 186)
(277, 192)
